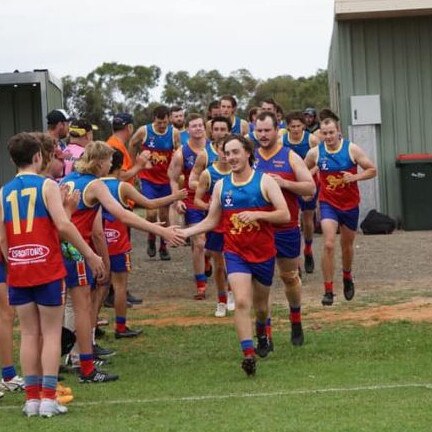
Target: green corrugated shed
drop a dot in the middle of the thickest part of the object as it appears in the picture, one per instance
(390, 57)
(25, 100)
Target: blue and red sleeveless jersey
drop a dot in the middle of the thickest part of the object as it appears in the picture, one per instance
(161, 147)
(236, 125)
(254, 241)
(302, 147)
(34, 252)
(331, 164)
(189, 159)
(116, 232)
(184, 137)
(85, 214)
(215, 175)
(211, 153)
(280, 163)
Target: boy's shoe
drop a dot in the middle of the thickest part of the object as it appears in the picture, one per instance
(164, 255)
(128, 333)
(98, 351)
(230, 301)
(151, 248)
(297, 336)
(348, 289)
(1, 394)
(249, 366)
(97, 377)
(221, 310)
(50, 408)
(31, 407)
(327, 299)
(263, 346)
(15, 384)
(132, 299)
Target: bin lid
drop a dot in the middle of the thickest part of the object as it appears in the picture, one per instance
(411, 158)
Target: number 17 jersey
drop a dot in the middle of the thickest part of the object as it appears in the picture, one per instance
(34, 253)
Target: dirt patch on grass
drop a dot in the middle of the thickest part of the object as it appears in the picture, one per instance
(392, 275)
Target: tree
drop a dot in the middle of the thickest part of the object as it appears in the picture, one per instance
(110, 88)
(194, 93)
(294, 94)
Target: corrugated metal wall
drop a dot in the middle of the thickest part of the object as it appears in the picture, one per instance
(392, 58)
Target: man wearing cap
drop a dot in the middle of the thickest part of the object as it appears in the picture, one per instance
(311, 120)
(122, 126)
(81, 133)
(58, 126)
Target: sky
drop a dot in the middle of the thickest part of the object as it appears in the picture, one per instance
(267, 37)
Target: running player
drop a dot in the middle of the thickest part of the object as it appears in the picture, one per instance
(177, 119)
(248, 203)
(291, 174)
(337, 160)
(220, 128)
(311, 120)
(301, 141)
(119, 244)
(58, 126)
(32, 219)
(161, 139)
(228, 106)
(182, 163)
(214, 239)
(95, 163)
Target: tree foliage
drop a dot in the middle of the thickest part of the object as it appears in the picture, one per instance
(114, 87)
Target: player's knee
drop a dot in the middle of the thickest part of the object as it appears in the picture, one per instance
(329, 245)
(291, 279)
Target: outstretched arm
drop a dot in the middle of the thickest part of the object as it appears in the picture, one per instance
(128, 192)
(174, 172)
(212, 219)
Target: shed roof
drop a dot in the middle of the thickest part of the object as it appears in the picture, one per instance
(361, 9)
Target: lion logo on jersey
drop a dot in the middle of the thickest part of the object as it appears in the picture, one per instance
(335, 182)
(159, 158)
(239, 226)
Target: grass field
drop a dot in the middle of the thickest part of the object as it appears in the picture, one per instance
(345, 378)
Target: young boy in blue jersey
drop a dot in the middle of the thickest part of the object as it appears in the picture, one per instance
(32, 220)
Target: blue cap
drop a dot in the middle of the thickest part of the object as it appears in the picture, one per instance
(122, 119)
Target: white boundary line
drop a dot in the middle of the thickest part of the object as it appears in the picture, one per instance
(246, 395)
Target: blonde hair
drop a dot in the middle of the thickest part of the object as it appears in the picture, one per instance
(48, 146)
(94, 153)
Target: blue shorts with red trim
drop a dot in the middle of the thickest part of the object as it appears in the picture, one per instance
(153, 190)
(120, 263)
(49, 294)
(349, 218)
(262, 272)
(288, 243)
(214, 241)
(2, 272)
(78, 274)
(194, 216)
(308, 205)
